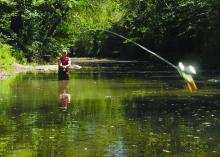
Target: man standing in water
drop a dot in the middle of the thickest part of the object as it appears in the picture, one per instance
(64, 63)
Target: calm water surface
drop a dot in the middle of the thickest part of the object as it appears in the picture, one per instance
(124, 110)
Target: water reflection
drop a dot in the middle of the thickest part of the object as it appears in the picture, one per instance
(64, 94)
(107, 116)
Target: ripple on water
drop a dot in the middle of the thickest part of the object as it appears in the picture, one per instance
(166, 151)
(207, 123)
(213, 80)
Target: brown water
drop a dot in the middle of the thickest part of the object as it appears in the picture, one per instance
(110, 110)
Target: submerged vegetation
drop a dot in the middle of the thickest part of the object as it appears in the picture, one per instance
(177, 28)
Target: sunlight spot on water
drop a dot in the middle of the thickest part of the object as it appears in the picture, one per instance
(206, 123)
(189, 135)
(160, 119)
(166, 151)
(194, 115)
(172, 118)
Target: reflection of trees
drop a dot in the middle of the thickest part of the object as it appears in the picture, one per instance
(158, 126)
(35, 126)
(105, 119)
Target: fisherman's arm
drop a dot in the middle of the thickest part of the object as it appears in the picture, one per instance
(60, 63)
(69, 63)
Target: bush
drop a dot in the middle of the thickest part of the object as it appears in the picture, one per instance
(6, 58)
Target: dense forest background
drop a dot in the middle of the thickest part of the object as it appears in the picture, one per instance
(31, 30)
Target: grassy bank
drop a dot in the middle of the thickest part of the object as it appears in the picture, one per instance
(8, 57)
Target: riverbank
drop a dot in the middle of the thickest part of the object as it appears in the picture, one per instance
(3, 74)
(95, 60)
(77, 63)
(17, 68)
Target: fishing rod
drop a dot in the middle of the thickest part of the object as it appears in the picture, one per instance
(153, 53)
(185, 72)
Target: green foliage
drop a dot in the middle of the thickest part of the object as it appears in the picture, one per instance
(6, 58)
(174, 26)
(43, 27)
(9, 56)
(40, 27)
(95, 15)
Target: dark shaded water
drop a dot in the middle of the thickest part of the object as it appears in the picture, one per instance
(110, 110)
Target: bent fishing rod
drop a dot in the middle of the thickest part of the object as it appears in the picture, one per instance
(153, 53)
(181, 68)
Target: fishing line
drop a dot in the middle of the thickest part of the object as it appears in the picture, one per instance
(137, 44)
(183, 72)
(153, 53)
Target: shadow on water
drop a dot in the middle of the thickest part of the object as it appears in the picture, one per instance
(109, 110)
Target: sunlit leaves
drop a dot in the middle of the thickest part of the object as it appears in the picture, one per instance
(130, 40)
(60, 23)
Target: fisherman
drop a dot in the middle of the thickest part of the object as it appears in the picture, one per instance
(64, 63)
